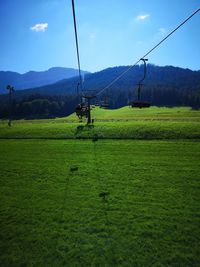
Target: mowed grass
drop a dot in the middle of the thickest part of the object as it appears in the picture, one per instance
(51, 213)
(124, 123)
(98, 202)
(152, 113)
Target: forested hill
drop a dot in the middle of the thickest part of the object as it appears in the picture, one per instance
(164, 86)
(167, 76)
(33, 79)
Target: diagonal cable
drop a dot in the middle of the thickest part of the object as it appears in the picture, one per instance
(123, 73)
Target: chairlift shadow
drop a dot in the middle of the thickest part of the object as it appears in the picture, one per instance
(83, 128)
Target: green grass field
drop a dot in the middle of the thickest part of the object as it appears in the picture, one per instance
(53, 211)
(124, 123)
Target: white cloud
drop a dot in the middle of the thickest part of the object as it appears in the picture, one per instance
(142, 17)
(162, 31)
(40, 27)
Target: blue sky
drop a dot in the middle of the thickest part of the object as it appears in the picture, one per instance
(38, 34)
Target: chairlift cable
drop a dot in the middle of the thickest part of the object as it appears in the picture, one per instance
(77, 49)
(166, 37)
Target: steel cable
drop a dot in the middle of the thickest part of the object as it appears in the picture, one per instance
(123, 73)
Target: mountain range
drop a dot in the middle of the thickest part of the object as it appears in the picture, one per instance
(167, 76)
(163, 86)
(34, 79)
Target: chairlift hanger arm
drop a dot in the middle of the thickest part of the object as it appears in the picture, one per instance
(145, 69)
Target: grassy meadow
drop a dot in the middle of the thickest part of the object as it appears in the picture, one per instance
(125, 192)
(124, 123)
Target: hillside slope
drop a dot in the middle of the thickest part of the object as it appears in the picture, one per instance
(156, 76)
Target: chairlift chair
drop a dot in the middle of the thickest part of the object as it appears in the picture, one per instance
(139, 103)
(81, 111)
(84, 109)
(97, 104)
(104, 104)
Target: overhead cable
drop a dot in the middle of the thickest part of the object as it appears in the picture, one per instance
(123, 73)
(77, 49)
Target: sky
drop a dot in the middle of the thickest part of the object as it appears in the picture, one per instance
(39, 34)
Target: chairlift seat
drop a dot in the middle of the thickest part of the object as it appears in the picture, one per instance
(105, 106)
(140, 104)
(81, 111)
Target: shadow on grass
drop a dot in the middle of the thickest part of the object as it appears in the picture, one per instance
(84, 131)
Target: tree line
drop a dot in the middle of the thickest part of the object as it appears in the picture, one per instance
(43, 106)
(38, 106)
(157, 95)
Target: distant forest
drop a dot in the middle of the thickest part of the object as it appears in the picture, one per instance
(37, 106)
(164, 86)
(43, 106)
